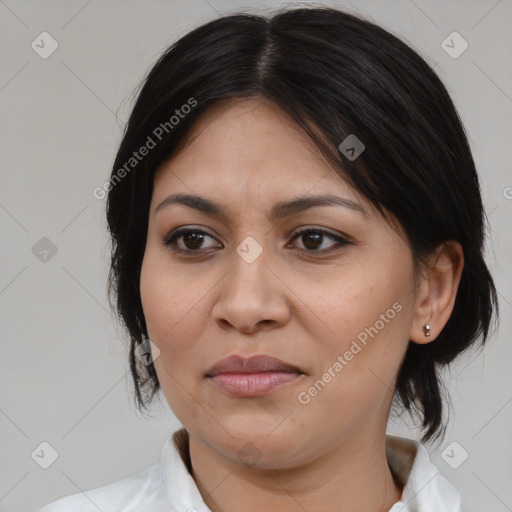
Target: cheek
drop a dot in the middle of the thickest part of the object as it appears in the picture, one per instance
(171, 298)
(171, 310)
(366, 316)
(363, 301)
(355, 385)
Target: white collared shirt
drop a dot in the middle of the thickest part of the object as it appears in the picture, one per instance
(169, 487)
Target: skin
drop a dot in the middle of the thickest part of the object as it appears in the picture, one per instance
(302, 305)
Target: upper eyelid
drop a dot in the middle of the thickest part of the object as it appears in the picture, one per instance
(325, 231)
(184, 229)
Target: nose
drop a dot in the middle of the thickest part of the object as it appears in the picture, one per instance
(252, 297)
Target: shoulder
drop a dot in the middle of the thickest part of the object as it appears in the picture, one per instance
(137, 493)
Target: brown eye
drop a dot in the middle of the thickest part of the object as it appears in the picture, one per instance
(313, 239)
(193, 240)
(189, 240)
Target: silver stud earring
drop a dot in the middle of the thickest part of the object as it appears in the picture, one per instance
(426, 330)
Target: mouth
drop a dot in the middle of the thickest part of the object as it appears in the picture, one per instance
(253, 376)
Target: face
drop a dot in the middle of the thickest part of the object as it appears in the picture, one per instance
(324, 287)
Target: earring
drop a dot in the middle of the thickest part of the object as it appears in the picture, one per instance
(426, 330)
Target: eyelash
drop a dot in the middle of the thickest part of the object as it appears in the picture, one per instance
(170, 240)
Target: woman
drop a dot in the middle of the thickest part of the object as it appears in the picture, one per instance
(297, 237)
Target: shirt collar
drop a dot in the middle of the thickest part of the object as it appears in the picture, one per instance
(424, 490)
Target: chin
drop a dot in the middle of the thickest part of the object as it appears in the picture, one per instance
(258, 448)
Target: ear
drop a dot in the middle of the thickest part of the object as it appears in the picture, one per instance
(437, 291)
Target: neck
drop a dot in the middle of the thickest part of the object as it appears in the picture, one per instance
(353, 476)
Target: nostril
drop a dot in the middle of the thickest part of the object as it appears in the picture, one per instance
(266, 322)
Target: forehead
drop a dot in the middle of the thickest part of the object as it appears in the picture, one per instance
(256, 121)
(242, 145)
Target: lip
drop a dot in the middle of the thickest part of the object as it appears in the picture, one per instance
(252, 376)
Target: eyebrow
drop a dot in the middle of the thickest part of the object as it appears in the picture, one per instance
(279, 211)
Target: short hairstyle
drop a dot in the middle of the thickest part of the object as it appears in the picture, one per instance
(334, 74)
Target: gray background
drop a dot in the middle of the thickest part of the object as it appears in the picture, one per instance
(63, 366)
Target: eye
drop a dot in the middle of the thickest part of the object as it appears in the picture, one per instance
(187, 240)
(190, 241)
(313, 240)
